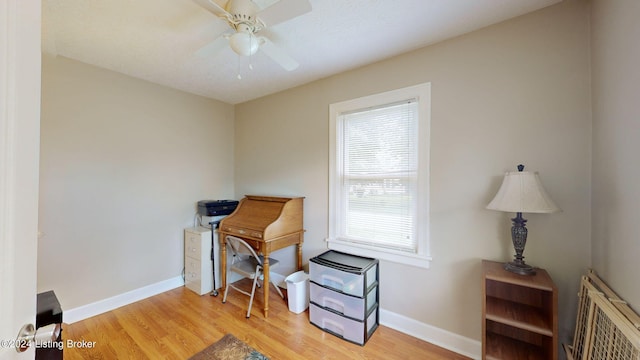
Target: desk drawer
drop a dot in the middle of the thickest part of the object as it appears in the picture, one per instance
(351, 330)
(346, 305)
(242, 232)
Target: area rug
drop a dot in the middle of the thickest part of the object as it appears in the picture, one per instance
(229, 348)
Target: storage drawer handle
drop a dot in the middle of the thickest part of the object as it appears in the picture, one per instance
(330, 280)
(333, 326)
(333, 304)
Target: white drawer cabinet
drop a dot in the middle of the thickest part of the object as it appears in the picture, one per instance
(349, 306)
(344, 295)
(198, 274)
(349, 283)
(351, 330)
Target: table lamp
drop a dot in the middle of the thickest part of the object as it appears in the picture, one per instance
(521, 191)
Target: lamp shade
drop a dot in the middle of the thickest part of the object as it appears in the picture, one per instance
(522, 192)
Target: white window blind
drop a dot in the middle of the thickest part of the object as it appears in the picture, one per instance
(377, 201)
(379, 175)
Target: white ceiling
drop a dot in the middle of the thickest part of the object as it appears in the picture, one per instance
(157, 40)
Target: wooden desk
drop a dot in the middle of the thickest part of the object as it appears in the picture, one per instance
(267, 224)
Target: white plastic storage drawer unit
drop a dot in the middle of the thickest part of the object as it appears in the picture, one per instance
(349, 274)
(351, 330)
(346, 305)
(344, 295)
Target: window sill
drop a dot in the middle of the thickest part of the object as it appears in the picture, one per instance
(421, 261)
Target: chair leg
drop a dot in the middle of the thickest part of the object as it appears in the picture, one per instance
(277, 289)
(253, 292)
(226, 291)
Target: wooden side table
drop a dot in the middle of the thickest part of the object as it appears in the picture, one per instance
(519, 314)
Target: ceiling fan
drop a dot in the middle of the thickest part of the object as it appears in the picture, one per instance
(246, 20)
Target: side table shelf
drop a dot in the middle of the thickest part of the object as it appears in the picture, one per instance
(519, 314)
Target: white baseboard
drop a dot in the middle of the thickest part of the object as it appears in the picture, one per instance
(86, 311)
(443, 338)
(102, 306)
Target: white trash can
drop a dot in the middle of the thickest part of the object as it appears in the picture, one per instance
(298, 291)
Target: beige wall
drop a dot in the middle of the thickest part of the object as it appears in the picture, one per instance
(123, 163)
(616, 124)
(516, 92)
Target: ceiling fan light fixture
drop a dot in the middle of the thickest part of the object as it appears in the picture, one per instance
(247, 20)
(244, 44)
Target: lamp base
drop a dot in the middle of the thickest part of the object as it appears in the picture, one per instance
(520, 268)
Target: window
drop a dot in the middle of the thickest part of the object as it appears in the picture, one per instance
(378, 185)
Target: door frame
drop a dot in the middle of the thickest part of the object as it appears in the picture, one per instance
(20, 76)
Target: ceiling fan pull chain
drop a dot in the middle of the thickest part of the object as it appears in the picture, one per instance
(250, 56)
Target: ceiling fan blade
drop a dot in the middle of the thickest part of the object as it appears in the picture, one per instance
(213, 7)
(277, 54)
(283, 10)
(213, 47)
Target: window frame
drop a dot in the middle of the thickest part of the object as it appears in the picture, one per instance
(422, 94)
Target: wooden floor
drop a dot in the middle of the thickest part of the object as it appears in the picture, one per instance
(177, 324)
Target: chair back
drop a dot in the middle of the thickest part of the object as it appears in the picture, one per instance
(248, 264)
(241, 250)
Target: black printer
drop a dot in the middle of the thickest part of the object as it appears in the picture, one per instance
(216, 207)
